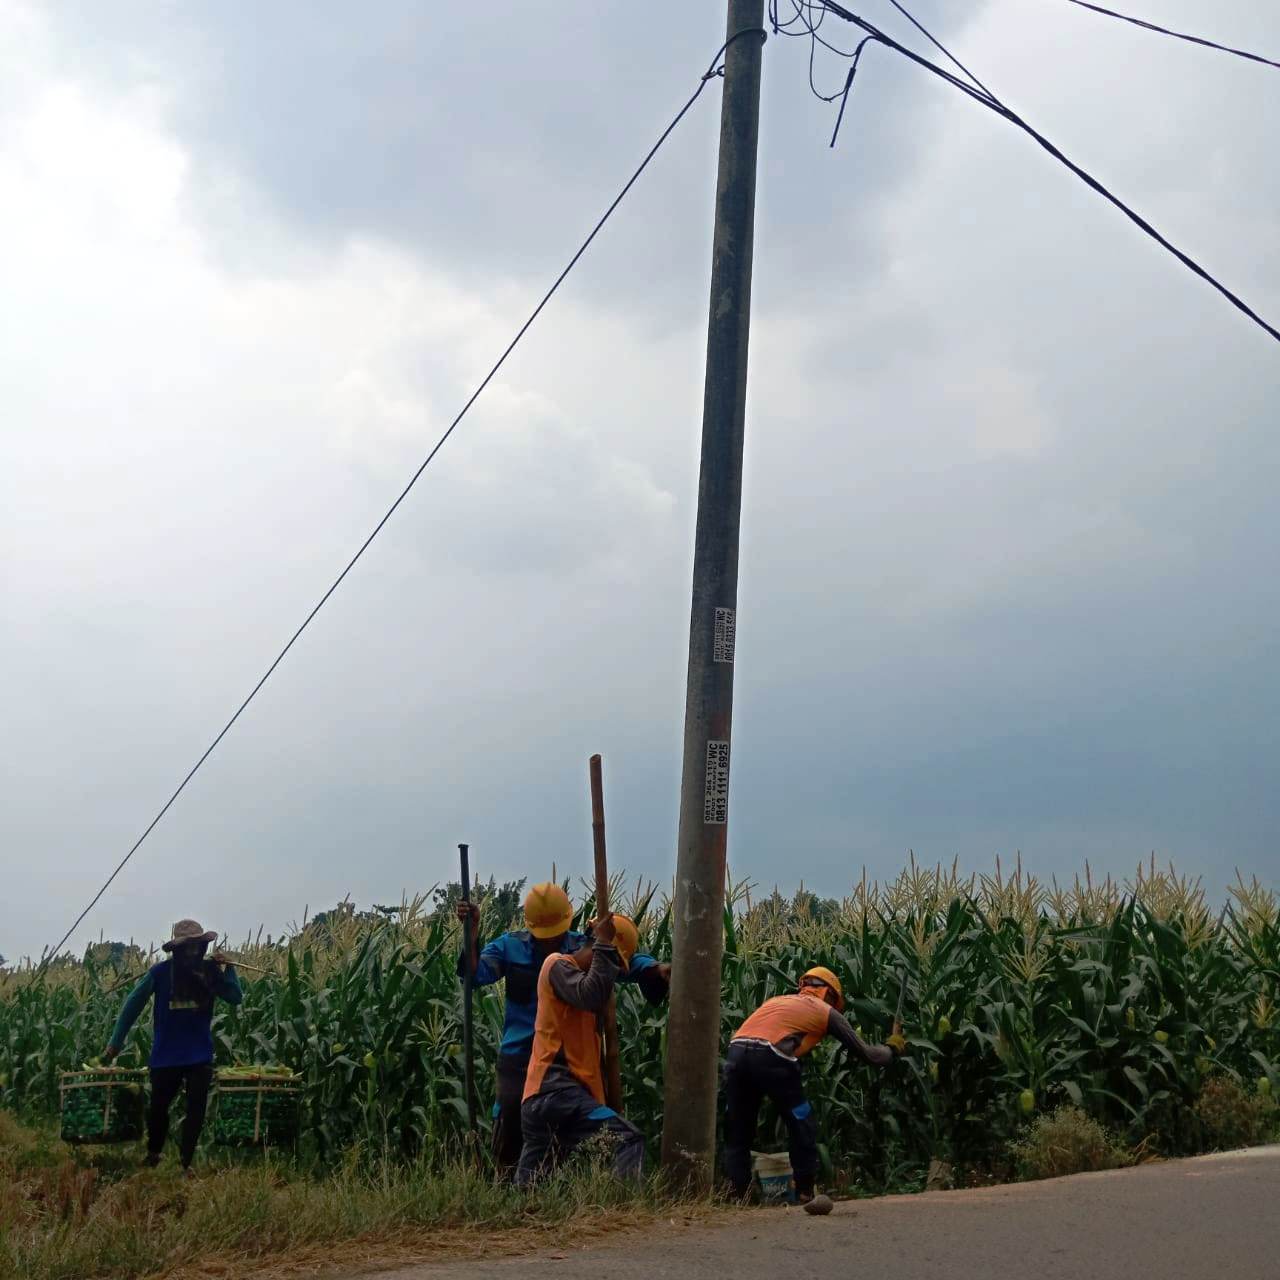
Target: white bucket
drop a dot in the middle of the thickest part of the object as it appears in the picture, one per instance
(773, 1171)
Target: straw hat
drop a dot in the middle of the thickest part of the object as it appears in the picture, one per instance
(188, 931)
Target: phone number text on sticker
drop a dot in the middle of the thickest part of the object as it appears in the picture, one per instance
(715, 801)
(725, 636)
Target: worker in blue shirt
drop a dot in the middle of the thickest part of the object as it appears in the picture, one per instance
(517, 958)
(184, 988)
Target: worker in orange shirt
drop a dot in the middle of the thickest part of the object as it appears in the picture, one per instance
(516, 959)
(564, 1100)
(764, 1062)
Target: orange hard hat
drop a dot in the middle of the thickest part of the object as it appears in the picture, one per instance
(828, 979)
(547, 910)
(626, 938)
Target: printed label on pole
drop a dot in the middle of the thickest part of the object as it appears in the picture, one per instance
(715, 801)
(726, 630)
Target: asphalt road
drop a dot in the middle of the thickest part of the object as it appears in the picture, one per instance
(1214, 1218)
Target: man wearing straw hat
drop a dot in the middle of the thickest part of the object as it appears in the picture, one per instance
(185, 987)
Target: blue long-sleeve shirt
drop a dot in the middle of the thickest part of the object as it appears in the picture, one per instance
(513, 957)
(183, 1030)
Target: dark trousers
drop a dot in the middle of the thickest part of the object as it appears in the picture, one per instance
(753, 1072)
(558, 1122)
(166, 1083)
(509, 1089)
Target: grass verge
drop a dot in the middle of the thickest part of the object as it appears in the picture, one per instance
(76, 1214)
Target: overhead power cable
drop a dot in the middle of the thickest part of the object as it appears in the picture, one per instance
(1177, 35)
(714, 70)
(874, 34)
(955, 62)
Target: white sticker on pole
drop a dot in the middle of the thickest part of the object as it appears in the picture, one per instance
(715, 801)
(726, 632)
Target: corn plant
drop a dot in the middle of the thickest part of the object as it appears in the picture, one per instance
(1120, 999)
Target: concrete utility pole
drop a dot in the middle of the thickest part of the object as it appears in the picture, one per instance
(693, 1037)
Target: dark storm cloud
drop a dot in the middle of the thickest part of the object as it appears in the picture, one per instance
(489, 137)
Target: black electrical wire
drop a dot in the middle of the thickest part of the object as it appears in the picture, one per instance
(711, 73)
(1013, 118)
(937, 44)
(854, 59)
(1177, 35)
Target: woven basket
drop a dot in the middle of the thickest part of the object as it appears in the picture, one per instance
(102, 1104)
(257, 1110)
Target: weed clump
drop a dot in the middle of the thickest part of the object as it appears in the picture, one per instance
(1067, 1141)
(1229, 1117)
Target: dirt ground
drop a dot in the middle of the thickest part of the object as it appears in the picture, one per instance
(1182, 1220)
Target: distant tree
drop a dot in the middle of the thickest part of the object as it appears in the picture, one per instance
(820, 910)
(345, 913)
(501, 902)
(776, 910)
(113, 955)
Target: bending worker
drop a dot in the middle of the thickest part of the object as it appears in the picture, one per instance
(518, 958)
(184, 988)
(764, 1062)
(564, 1102)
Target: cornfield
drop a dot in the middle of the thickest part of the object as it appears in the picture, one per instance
(1121, 999)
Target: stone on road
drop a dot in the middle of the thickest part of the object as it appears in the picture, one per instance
(1181, 1220)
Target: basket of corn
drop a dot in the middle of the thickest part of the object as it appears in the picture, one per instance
(256, 1106)
(102, 1104)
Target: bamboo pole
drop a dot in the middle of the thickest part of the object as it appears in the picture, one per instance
(612, 1062)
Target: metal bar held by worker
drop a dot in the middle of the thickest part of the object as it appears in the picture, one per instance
(468, 989)
(612, 1059)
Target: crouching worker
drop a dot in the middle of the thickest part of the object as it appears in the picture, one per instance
(764, 1062)
(517, 959)
(184, 988)
(564, 1091)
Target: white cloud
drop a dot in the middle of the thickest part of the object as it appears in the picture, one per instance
(1006, 475)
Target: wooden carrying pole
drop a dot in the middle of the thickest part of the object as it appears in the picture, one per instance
(612, 1062)
(253, 968)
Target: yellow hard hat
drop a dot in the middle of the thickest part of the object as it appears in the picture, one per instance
(547, 910)
(626, 938)
(829, 979)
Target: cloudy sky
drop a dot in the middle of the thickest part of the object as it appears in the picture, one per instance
(1008, 570)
